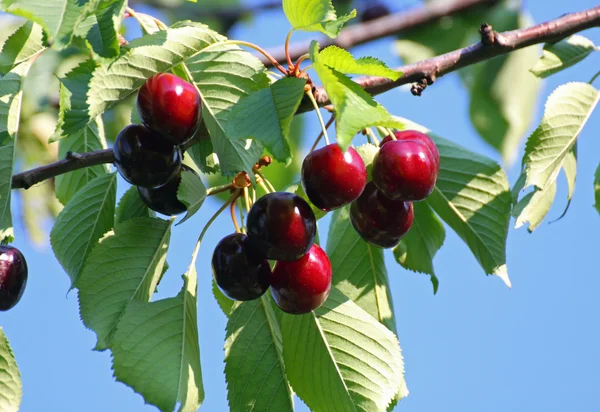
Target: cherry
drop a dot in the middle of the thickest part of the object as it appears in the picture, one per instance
(405, 170)
(374, 11)
(164, 199)
(170, 106)
(240, 272)
(419, 137)
(380, 220)
(13, 276)
(332, 178)
(143, 158)
(281, 226)
(304, 284)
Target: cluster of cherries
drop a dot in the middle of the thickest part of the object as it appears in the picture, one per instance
(149, 155)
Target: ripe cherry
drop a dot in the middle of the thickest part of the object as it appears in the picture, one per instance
(170, 106)
(144, 158)
(304, 284)
(374, 11)
(164, 199)
(380, 220)
(13, 276)
(332, 178)
(281, 226)
(240, 272)
(405, 170)
(419, 137)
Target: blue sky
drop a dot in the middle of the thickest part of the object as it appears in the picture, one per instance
(475, 346)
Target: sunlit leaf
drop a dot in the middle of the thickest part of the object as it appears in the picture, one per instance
(10, 377)
(562, 55)
(341, 60)
(315, 15)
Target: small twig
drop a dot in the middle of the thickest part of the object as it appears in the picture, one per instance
(327, 125)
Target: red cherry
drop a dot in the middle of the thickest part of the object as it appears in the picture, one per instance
(332, 178)
(304, 284)
(417, 136)
(282, 226)
(170, 106)
(13, 276)
(380, 220)
(405, 170)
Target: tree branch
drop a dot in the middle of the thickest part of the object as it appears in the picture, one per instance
(390, 25)
(492, 44)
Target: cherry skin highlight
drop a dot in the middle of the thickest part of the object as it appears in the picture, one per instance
(405, 170)
(419, 137)
(332, 178)
(239, 271)
(145, 159)
(164, 199)
(379, 220)
(13, 277)
(281, 226)
(304, 284)
(170, 106)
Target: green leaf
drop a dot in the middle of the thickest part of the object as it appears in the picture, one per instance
(191, 192)
(562, 55)
(597, 189)
(355, 109)
(96, 89)
(315, 15)
(11, 93)
(131, 206)
(418, 247)
(156, 350)
(81, 224)
(275, 107)
(567, 110)
(569, 166)
(341, 358)
(90, 138)
(534, 207)
(58, 18)
(21, 46)
(204, 156)
(224, 75)
(503, 95)
(224, 302)
(359, 269)
(254, 366)
(126, 266)
(341, 60)
(101, 27)
(10, 377)
(472, 196)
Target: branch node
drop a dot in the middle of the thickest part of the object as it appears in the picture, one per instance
(488, 35)
(73, 156)
(420, 86)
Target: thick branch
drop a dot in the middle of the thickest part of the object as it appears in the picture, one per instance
(73, 161)
(384, 26)
(492, 44)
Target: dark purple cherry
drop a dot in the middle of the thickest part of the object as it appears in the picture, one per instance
(419, 137)
(333, 178)
(239, 271)
(170, 106)
(164, 199)
(144, 158)
(13, 276)
(405, 170)
(380, 220)
(281, 226)
(304, 284)
(375, 10)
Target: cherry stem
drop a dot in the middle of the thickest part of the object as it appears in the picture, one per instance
(287, 49)
(594, 78)
(214, 217)
(241, 210)
(372, 136)
(233, 217)
(219, 189)
(307, 68)
(247, 200)
(329, 123)
(318, 110)
(301, 59)
(260, 50)
(266, 181)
